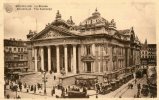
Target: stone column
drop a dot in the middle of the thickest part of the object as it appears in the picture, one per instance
(49, 58)
(57, 59)
(82, 54)
(93, 63)
(74, 59)
(42, 58)
(110, 61)
(99, 55)
(93, 49)
(36, 60)
(65, 57)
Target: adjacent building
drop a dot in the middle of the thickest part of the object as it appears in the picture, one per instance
(93, 46)
(152, 54)
(15, 56)
(148, 54)
(144, 54)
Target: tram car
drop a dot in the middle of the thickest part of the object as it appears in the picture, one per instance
(139, 73)
(152, 80)
(145, 90)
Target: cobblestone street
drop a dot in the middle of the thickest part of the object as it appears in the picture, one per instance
(122, 92)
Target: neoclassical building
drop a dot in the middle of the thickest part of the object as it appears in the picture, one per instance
(93, 46)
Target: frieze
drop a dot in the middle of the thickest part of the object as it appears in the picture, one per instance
(52, 34)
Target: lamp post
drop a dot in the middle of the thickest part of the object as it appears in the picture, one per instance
(44, 80)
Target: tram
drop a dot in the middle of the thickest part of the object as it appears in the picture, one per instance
(152, 80)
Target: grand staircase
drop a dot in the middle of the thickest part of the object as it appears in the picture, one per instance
(35, 78)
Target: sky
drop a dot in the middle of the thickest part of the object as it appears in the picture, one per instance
(140, 15)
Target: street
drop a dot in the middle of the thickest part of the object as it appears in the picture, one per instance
(122, 92)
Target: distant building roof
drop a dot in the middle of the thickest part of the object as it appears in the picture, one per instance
(14, 42)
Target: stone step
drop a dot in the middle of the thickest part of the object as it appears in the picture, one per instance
(37, 78)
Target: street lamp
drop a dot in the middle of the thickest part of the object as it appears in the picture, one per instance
(45, 80)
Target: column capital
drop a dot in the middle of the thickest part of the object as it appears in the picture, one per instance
(41, 46)
(65, 45)
(49, 46)
(74, 45)
(35, 47)
(57, 45)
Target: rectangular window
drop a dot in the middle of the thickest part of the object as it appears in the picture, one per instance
(21, 49)
(106, 65)
(21, 56)
(10, 49)
(18, 49)
(14, 49)
(88, 50)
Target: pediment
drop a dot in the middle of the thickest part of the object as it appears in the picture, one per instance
(52, 33)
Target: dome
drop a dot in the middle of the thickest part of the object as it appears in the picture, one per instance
(94, 19)
(59, 21)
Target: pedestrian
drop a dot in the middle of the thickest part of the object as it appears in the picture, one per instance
(35, 89)
(54, 77)
(139, 87)
(38, 86)
(135, 80)
(18, 97)
(8, 96)
(27, 89)
(69, 88)
(31, 89)
(66, 90)
(20, 87)
(96, 96)
(138, 94)
(131, 86)
(53, 91)
(25, 85)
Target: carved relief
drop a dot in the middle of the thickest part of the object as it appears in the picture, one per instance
(52, 34)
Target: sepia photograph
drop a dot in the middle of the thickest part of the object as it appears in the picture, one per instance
(73, 49)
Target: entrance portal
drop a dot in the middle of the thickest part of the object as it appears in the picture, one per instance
(88, 66)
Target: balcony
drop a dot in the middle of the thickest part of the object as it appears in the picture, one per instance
(89, 58)
(15, 59)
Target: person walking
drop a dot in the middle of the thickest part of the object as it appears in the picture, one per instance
(53, 92)
(34, 89)
(138, 94)
(54, 77)
(135, 80)
(139, 87)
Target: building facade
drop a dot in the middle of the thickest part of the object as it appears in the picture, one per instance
(15, 56)
(152, 54)
(144, 54)
(148, 54)
(94, 46)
